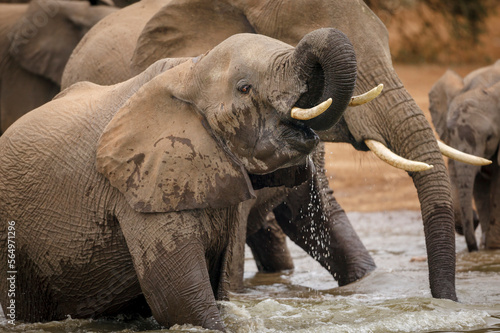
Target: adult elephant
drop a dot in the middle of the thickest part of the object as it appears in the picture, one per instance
(36, 40)
(173, 28)
(131, 191)
(104, 57)
(466, 115)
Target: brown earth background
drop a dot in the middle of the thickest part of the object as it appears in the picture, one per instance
(361, 182)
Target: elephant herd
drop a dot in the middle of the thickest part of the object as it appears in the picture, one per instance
(142, 147)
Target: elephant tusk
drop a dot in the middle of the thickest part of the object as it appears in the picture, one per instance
(307, 114)
(457, 155)
(396, 161)
(367, 96)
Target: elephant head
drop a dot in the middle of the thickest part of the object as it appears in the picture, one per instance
(43, 38)
(465, 115)
(225, 86)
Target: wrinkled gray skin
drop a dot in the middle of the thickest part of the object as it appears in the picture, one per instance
(159, 28)
(36, 41)
(334, 244)
(130, 194)
(466, 115)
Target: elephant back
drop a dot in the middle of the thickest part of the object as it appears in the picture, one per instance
(105, 51)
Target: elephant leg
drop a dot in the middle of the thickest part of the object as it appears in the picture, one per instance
(172, 265)
(269, 248)
(493, 234)
(482, 190)
(264, 236)
(236, 264)
(314, 220)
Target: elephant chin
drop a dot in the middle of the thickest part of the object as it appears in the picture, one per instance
(288, 177)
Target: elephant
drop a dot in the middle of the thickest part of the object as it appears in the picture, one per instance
(175, 28)
(128, 194)
(466, 115)
(335, 244)
(36, 40)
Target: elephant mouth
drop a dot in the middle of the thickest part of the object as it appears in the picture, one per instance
(299, 137)
(288, 177)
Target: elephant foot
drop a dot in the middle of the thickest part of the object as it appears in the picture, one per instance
(472, 247)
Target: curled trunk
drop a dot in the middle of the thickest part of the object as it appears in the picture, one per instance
(325, 60)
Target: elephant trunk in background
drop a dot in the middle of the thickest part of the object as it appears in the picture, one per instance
(322, 223)
(401, 126)
(465, 114)
(329, 54)
(438, 219)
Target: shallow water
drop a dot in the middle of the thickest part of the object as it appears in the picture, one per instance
(394, 298)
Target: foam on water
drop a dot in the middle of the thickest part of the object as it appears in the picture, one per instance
(350, 314)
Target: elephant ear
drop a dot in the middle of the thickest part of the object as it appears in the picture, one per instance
(175, 31)
(43, 39)
(440, 97)
(158, 152)
(494, 92)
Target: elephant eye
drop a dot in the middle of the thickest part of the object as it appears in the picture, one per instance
(244, 89)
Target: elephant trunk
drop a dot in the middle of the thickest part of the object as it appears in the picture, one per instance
(437, 214)
(463, 176)
(396, 120)
(321, 227)
(410, 135)
(325, 60)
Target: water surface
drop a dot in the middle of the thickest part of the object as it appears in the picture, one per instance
(394, 298)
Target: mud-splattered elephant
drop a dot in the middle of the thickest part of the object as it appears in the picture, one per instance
(128, 196)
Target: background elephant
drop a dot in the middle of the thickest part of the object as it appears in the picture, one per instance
(36, 40)
(156, 29)
(466, 115)
(129, 193)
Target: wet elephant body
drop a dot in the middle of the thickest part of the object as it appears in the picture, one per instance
(133, 192)
(312, 218)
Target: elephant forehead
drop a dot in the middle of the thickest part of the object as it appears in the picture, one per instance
(254, 40)
(251, 48)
